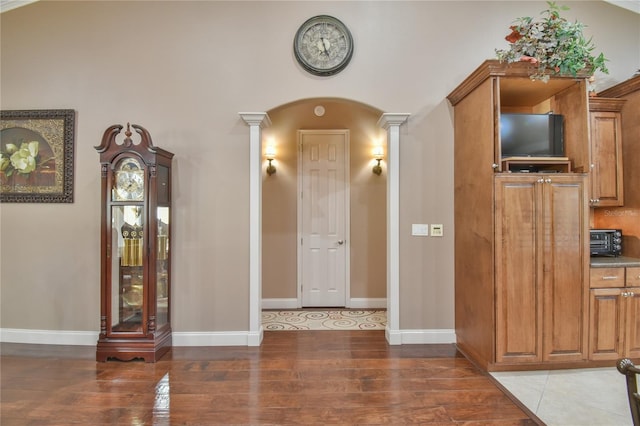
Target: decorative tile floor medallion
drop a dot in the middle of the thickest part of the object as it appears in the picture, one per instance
(345, 319)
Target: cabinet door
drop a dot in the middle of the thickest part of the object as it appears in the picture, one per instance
(606, 159)
(632, 329)
(607, 324)
(565, 256)
(518, 293)
(541, 268)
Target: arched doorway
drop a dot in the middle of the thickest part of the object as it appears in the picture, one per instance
(269, 196)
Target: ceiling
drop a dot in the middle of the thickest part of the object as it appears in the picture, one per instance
(5, 5)
(12, 4)
(633, 5)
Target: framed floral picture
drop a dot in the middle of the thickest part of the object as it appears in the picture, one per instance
(36, 156)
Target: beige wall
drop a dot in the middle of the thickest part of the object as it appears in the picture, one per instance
(184, 70)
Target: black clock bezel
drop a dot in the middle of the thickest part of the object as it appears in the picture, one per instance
(322, 71)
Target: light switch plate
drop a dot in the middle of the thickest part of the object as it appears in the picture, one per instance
(437, 230)
(419, 229)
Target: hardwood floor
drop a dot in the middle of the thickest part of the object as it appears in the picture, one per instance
(295, 377)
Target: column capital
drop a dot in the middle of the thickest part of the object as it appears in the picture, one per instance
(392, 119)
(256, 119)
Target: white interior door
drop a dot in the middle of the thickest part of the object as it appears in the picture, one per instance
(323, 218)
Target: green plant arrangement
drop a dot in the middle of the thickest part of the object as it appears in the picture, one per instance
(553, 44)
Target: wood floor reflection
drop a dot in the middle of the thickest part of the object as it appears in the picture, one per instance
(297, 377)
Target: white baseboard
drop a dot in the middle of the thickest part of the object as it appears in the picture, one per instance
(291, 303)
(255, 339)
(90, 338)
(433, 336)
(206, 338)
(214, 338)
(354, 303)
(49, 337)
(394, 337)
(368, 303)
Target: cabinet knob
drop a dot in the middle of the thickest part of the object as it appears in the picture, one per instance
(540, 180)
(494, 166)
(548, 180)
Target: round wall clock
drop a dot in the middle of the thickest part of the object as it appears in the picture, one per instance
(323, 45)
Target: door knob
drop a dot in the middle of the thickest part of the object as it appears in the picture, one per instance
(340, 242)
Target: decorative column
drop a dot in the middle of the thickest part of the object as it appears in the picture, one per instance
(391, 122)
(256, 122)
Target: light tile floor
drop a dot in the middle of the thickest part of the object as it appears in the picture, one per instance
(592, 396)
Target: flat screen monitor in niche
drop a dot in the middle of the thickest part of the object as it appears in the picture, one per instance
(532, 135)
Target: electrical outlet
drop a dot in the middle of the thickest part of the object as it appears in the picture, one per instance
(437, 230)
(420, 229)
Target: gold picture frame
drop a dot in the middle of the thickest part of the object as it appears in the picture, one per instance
(36, 156)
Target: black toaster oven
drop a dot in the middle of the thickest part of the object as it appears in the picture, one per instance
(606, 242)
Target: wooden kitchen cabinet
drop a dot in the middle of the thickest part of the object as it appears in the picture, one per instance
(541, 302)
(521, 252)
(614, 314)
(607, 187)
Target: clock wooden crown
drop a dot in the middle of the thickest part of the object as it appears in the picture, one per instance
(109, 148)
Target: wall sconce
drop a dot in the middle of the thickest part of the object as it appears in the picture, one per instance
(378, 155)
(270, 155)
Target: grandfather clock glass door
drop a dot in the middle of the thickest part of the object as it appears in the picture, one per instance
(127, 274)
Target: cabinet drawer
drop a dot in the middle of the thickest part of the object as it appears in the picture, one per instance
(607, 277)
(633, 277)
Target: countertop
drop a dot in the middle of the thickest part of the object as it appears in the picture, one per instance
(614, 262)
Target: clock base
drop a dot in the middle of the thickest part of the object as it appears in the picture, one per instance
(127, 349)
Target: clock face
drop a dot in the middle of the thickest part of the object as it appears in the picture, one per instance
(129, 181)
(323, 45)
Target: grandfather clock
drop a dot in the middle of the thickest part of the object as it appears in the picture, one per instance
(135, 267)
